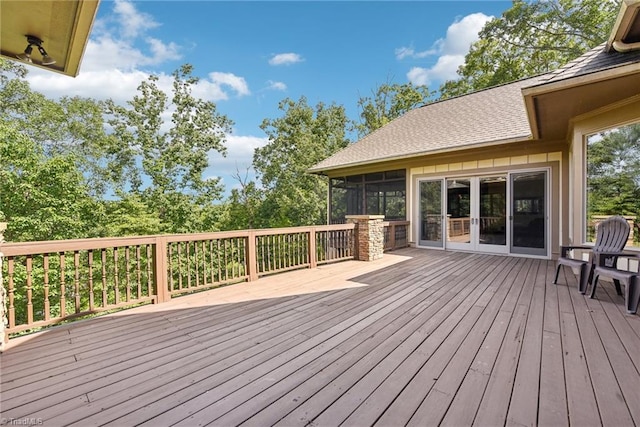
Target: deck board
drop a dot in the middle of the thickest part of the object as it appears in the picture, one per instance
(418, 338)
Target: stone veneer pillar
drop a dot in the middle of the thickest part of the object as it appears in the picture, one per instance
(3, 294)
(369, 236)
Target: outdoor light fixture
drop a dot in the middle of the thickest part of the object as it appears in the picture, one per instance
(26, 56)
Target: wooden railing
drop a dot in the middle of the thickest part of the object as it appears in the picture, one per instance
(396, 235)
(55, 281)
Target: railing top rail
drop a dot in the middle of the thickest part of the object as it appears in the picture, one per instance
(56, 246)
(387, 223)
(305, 229)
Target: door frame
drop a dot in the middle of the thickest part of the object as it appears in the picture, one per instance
(477, 247)
(533, 252)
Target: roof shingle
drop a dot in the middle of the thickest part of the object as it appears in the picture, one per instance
(487, 116)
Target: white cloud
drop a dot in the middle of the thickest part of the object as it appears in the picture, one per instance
(276, 86)
(410, 52)
(132, 21)
(238, 84)
(451, 50)
(115, 59)
(162, 51)
(285, 59)
(112, 83)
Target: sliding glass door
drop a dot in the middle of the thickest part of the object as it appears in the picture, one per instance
(430, 215)
(501, 213)
(529, 213)
(492, 214)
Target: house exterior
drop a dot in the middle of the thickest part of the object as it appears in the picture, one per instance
(501, 170)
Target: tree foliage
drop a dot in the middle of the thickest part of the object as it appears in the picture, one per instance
(532, 38)
(613, 172)
(43, 197)
(69, 126)
(389, 101)
(166, 166)
(302, 137)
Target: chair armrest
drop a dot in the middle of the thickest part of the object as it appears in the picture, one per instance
(565, 249)
(610, 259)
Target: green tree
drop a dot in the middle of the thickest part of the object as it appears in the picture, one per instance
(389, 101)
(169, 177)
(130, 216)
(613, 172)
(244, 206)
(532, 38)
(42, 197)
(302, 137)
(71, 125)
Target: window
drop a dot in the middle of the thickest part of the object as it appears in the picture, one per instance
(613, 177)
(380, 193)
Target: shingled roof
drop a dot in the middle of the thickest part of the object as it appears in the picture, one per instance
(486, 117)
(595, 60)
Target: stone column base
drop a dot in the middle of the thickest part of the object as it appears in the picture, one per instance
(369, 236)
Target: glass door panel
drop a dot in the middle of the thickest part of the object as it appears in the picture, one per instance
(492, 214)
(431, 213)
(529, 213)
(459, 213)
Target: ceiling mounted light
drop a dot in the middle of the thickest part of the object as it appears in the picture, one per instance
(26, 56)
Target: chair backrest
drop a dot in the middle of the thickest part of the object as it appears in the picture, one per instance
(612, 234)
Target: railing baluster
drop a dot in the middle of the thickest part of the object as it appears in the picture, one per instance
(204, 262)
(179, 251)
(116, 282)
(11, 292)
(63, 288)
(45, 267)
(149, 266)
(188, 260)
(219, 262)
(236, 258)
(139, 270)
(195, 262)
(211, 263)
(103, 259)
(127, 263)
(226, 264)
(90, 265)
(76, 280)
(230, 261)
(29, 289)
(246, 258)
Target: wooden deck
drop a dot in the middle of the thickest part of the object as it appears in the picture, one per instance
(418, 338)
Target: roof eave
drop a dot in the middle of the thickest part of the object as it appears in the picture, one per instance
(532, 93)
(629, 12)
(324, 170)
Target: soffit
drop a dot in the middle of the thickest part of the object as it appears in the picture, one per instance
(554, 110)
(64, 27)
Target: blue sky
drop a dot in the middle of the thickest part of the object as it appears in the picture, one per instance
(251, 55)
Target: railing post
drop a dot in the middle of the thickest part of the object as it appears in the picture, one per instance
(161, 270)
(313, 252)
(370, 236)
(252, 258)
